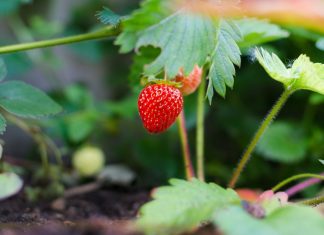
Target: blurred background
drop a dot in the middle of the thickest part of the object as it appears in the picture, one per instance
(91, 80)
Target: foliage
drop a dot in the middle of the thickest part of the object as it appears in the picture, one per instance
(287, 220)
(256, 32)
(303, 73)
(226, 54)
(283, 142)
(10, 185)
(7, 7)
(183, 206)
(217, 39)
(139, 20)
(106, 16)
(3, 70)
(182, 47)
(177, 37)
(24, 100)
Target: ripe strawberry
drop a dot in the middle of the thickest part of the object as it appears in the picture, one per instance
(159, 105)
(190, 83)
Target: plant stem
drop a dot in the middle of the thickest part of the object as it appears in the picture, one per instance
(185, 147)
(102, 33)
(200, 130)
(301, 186)
(258, 135)
(56, 151)
(296, 177)
(313, 202)
(35, 135)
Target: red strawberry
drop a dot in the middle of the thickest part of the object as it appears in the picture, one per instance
(190, 83)
(159, 105)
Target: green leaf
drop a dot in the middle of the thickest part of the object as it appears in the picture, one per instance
(303, 74)
(182, 206)
(141, 59)
(316, 99)
(257, 31)
(288, 220)
(8, 7)
(80, 125)
(10, 185)
(24, 100)
(106, 16)
(185, 40)
(17, 63)
(274, 67)
(3, 69)
(40, 27)
(3, 125)
(322, 161)
(283, 142)
(188, 39)
(226, 54)
(311, 75)
(151, 12)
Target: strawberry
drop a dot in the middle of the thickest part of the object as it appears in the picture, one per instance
(190, 83)
(159, 105)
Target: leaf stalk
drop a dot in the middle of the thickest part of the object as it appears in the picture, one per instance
(99, 34)
(258, 135)
(200, 130)
(296, 177)
(313, 202)
(190, 173)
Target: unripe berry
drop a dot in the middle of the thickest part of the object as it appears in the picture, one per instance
(190, 83)
(88, 161)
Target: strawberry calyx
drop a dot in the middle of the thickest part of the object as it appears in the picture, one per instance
(151, 80)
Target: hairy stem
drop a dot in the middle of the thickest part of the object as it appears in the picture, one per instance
(296, 177)
(102, 33)
(313, 202)
(185, 147)
(200, 130)
(258, 135)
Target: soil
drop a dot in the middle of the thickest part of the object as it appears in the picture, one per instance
(103, 212)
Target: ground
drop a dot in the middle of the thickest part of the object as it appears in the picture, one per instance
(104, 212)
(108, 211)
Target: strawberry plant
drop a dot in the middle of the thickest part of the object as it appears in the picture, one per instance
(195, 49)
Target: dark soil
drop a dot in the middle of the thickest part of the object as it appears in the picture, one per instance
(102, 212)
(105, 211)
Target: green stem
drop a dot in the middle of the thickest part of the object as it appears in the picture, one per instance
(296, 177)
(57, 152)
(258, 135)
(34, 133)
(43, 153)
(313, 202)
(185, 147)
(102, 33)
(200, 130)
